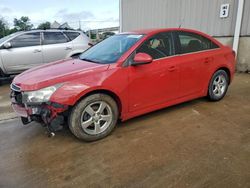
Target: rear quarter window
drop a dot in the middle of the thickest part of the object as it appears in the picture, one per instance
(72, 35)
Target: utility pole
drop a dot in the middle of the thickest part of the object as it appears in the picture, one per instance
(80, 27)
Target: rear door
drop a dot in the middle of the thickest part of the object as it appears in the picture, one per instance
(25, 53)
(195, 59)
(55, 46)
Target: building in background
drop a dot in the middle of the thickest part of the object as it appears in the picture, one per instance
(56, 25)
(214, 17)
(96, 35)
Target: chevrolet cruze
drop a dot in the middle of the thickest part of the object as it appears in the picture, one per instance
(124, 76)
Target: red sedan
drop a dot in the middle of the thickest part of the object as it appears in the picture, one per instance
(124, 76)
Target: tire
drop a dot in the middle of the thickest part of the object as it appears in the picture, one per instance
(94, 117)
(218, 85)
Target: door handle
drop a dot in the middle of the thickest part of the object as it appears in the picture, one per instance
(37, 51)
(68, 48)
(172, 68)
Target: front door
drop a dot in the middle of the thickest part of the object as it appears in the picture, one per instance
(25, 53)
(158, 81)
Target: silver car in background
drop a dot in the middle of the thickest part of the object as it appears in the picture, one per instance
(24, 50)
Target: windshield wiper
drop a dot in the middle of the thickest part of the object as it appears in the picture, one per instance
(90, 60)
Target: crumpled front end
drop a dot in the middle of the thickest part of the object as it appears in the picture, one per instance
(49, 114)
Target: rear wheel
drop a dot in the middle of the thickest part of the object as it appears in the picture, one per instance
(94, 117)
(218, 85)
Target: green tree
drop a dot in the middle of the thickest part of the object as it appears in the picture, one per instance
(10, 31)
(45, 25)
(22, 24)
(3, 28)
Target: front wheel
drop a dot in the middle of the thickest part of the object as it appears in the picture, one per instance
(94, 117)
(218, 85)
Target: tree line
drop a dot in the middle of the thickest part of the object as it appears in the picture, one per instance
(21, 24)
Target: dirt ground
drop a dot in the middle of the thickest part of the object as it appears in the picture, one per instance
(195, 144)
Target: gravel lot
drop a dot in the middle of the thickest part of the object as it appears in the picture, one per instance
(195, 144)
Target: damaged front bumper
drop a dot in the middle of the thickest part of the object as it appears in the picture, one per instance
(49, 114)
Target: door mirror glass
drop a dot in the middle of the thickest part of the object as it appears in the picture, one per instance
(7, 45)
(142, 58)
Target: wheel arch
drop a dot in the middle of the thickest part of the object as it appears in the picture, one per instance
(227, 70)
(106, 92)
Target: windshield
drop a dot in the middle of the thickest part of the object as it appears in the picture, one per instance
(111, 49)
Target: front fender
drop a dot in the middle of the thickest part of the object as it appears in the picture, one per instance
(70, 93)
(117, 84)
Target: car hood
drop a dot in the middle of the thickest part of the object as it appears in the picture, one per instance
(56, 72)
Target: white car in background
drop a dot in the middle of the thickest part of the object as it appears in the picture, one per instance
(24, 50)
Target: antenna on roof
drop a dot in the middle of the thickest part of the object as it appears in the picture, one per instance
(182, 20)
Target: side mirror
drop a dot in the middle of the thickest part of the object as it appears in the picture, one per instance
(7, 45)
(142, 58)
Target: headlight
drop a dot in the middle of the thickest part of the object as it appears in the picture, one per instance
(39, 96)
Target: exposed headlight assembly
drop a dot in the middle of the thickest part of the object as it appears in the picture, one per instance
(39, 96)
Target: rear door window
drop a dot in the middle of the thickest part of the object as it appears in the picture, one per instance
(54, 38)
(25, 40)
(191, 42)
(71, 35)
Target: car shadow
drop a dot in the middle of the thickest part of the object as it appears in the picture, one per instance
(142, 118)
(138, 123)
(6, 81)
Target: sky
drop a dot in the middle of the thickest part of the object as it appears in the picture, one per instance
(92, 14)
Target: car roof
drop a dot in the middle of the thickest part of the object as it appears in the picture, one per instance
(151, 32)
(155, 31)
(48, 30)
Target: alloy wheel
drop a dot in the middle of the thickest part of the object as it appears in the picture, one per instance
(96, 117)
(219, 85)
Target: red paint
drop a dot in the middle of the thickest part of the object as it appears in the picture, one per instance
(139, 89)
